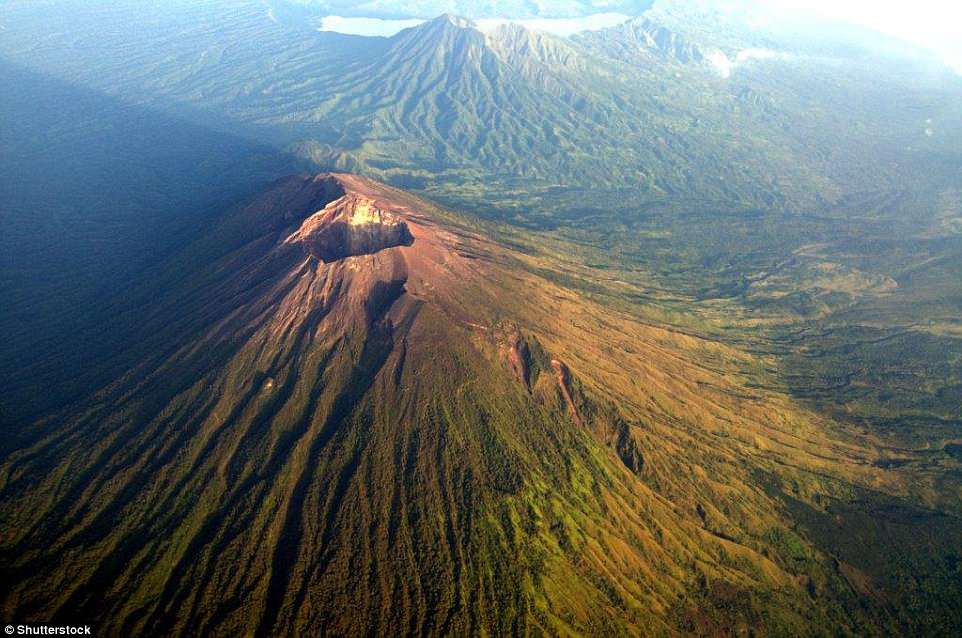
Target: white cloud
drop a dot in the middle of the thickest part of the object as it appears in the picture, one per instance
(725, 65)
(758, 54)
(932, 24)
(721, 63)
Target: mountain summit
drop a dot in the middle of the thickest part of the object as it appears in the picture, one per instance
(349, 226)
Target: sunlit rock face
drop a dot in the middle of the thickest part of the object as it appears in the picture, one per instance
(351, 225)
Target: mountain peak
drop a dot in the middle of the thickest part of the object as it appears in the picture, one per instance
(447, 30)
(449, 20)
(354, 224)
(456, 20)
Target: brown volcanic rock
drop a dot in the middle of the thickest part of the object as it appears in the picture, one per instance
(349, 226)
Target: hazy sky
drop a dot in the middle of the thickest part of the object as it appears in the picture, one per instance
(934, 24)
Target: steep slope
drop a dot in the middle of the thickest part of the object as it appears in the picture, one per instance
(453, 98)
(351, 409)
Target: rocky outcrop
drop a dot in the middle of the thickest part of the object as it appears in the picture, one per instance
(351, 225)
(551, 383)
(563, 377)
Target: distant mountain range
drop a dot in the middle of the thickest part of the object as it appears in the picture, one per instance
(655, 104)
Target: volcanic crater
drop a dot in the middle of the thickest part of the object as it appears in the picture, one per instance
(351, 225)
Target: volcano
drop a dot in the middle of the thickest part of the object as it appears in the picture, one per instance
(358, 413)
